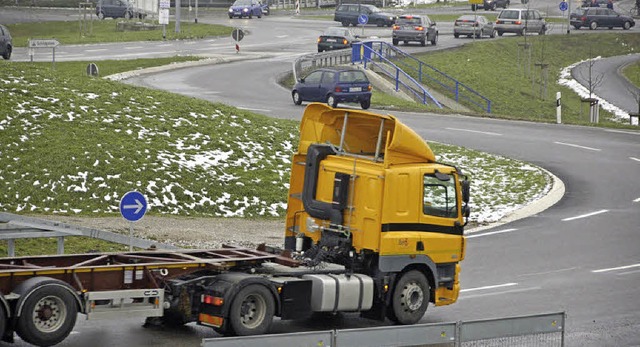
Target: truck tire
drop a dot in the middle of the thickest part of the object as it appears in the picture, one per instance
(252, 311)
(410, 298)
(48, 315)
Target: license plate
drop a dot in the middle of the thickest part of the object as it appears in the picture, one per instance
(332, 40)
(355, 89)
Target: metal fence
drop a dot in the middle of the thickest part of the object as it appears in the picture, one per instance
(543, 330)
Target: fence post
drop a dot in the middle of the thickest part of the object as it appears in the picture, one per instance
(457, 90)
(397, 79)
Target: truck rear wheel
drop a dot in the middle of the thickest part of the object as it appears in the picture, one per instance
(410, 298)
(48, 315)
(252, 310)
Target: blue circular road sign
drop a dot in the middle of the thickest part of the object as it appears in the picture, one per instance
(133, 206)
(564, 6)
(363, 19)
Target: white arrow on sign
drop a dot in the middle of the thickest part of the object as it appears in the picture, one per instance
(138, 206)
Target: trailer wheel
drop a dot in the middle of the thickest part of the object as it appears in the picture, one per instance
(48, 315)
(252, 310)
(410, 298)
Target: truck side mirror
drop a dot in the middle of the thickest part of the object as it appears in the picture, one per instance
(466, 188)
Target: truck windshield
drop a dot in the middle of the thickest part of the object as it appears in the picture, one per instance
(439, 197)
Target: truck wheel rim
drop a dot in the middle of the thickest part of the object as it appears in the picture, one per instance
(253, 311)
(49, 314)
(412, 296)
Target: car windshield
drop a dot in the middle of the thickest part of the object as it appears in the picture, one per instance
(506, 14)
(468, 18)
(242, 3)
(352, 76)
(336, 32)
(409, 20)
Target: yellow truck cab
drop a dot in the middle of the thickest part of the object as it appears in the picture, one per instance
(366, 192)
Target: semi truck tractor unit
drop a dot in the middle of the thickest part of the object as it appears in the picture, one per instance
(374, 225)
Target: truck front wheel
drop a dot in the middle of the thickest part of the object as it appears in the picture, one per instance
(48, 315)
(252, 311)
(410, 298)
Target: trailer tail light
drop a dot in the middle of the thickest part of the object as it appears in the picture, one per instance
(212, 300)
(214, 321)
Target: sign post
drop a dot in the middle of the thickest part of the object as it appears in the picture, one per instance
(133, 206)
(563, 7)
(163, 16)
(362, 20)
(43, 43)
(237, 34)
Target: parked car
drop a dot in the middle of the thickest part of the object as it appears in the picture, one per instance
(6, 44)
(520, 21)
(334, 85)
(245, 8)
(116, 9)
(493, 4)
(471, 25)
(336, 38)
(595, 17)
(414, 28)
(348, 14)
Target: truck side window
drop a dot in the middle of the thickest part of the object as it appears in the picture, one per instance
(439, 197)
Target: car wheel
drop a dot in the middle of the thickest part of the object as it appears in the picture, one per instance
(250, 15)
(100, 15)
(493, 34)
(423, 42)
(626, 25)
(259, 15)
(523, 32)
(478, 34)
(493, 7)
(500, 33)
(395, 42)
(593, 25)
(267, 11)
(230, 17)
(345, 23)
(577, 27)
(7, 54)
(543, 30)
(127, 15)
(380, 22)
(435, 40)
(296, 97)
(406, 42)
(331, 101)
(365, 104)
(456, 35)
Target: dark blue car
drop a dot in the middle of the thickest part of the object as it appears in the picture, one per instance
(246, 8)
(334, 85)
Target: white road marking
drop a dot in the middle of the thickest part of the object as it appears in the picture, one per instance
(636, 200)
(282, 36)
(96, 50)
(547, 272)
(133, 47)
(617, 268)
(622, 132)
(475, 131)
(500, 292)
(585, 215)
(254, 109)
(490, 233)
(632, 158)
(577, 146)
(489, 287)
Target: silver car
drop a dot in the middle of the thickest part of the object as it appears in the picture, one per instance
(417, 28)
(6, 46)
(520, 22)
(471, 25)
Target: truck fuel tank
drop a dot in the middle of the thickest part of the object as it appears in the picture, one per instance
(335, 293)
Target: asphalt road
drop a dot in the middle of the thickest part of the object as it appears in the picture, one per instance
(581, 256)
